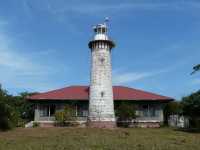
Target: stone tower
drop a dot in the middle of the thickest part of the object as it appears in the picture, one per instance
(101, 107)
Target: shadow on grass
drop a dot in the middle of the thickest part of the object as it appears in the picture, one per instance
(189, 130)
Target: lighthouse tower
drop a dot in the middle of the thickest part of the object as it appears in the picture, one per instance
(101, 107)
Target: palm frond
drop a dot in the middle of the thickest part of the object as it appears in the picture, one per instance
(196, 68)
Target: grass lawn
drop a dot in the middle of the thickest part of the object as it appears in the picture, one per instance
(98, 139)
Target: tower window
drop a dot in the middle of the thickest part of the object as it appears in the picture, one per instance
(102, 60)
(102, 94)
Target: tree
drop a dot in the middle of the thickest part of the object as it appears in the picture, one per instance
(14, 110)
(5, 114)
(172, 108)
(196, 68)
(191, 104)
(125, 113)
(9, 117)
(191, 108)
(25, 108)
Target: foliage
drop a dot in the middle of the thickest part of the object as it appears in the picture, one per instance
(25, 108)
(191, 108)
(5, 111)
(5, 115)
(14, 110)
(125, 112)
(62, 117)
(191, 104)
(172, 108)
(9, 116)
(35, 124)
(196, 68)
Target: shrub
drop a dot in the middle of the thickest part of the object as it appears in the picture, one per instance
(60, 118)
(125, 113)
(191, 108)
(172, 108)
(35, 124)
(11, 109)
(25, 108)
(64, 117)
(5, 117)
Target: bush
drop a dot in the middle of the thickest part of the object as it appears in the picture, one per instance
(64, 117)
(12, 109)
(191, 108)
(35, 124)
(191, 105)
(60, 118)
(26, 108)
(5, 117)
(125, 113)
(172, 108)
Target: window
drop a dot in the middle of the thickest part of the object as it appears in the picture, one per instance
(52, 110)
(103, 30)
(47, 110)
(149, 110)
(102, 94)
(152, 111)
(82, 110)
(44, 112)
(98, 30)
(102, 60)
(145, 110)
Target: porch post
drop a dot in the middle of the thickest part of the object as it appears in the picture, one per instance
(49, 112)
(76, 111)
(37, 114)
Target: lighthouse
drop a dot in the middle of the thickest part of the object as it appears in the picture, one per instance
(101, 105)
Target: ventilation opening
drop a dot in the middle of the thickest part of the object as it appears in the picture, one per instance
(102, 60)
(102, 94)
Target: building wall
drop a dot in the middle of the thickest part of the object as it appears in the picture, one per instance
(146, 112)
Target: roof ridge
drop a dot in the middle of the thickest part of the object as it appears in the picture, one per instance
(140, 90)
(151, 93)
(73, 91)
(78, 86)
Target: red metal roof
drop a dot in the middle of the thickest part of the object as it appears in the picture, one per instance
(82, 93)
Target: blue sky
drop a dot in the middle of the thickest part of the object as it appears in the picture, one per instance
(43, 44)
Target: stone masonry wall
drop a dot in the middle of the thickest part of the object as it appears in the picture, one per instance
(101, 106)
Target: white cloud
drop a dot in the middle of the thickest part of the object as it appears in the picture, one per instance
(129, 77)
(96, 7)
(21, 70)
(196, 81)
(14, 61)
(9, 57)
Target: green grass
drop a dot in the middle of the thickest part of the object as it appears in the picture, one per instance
(98, 139)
